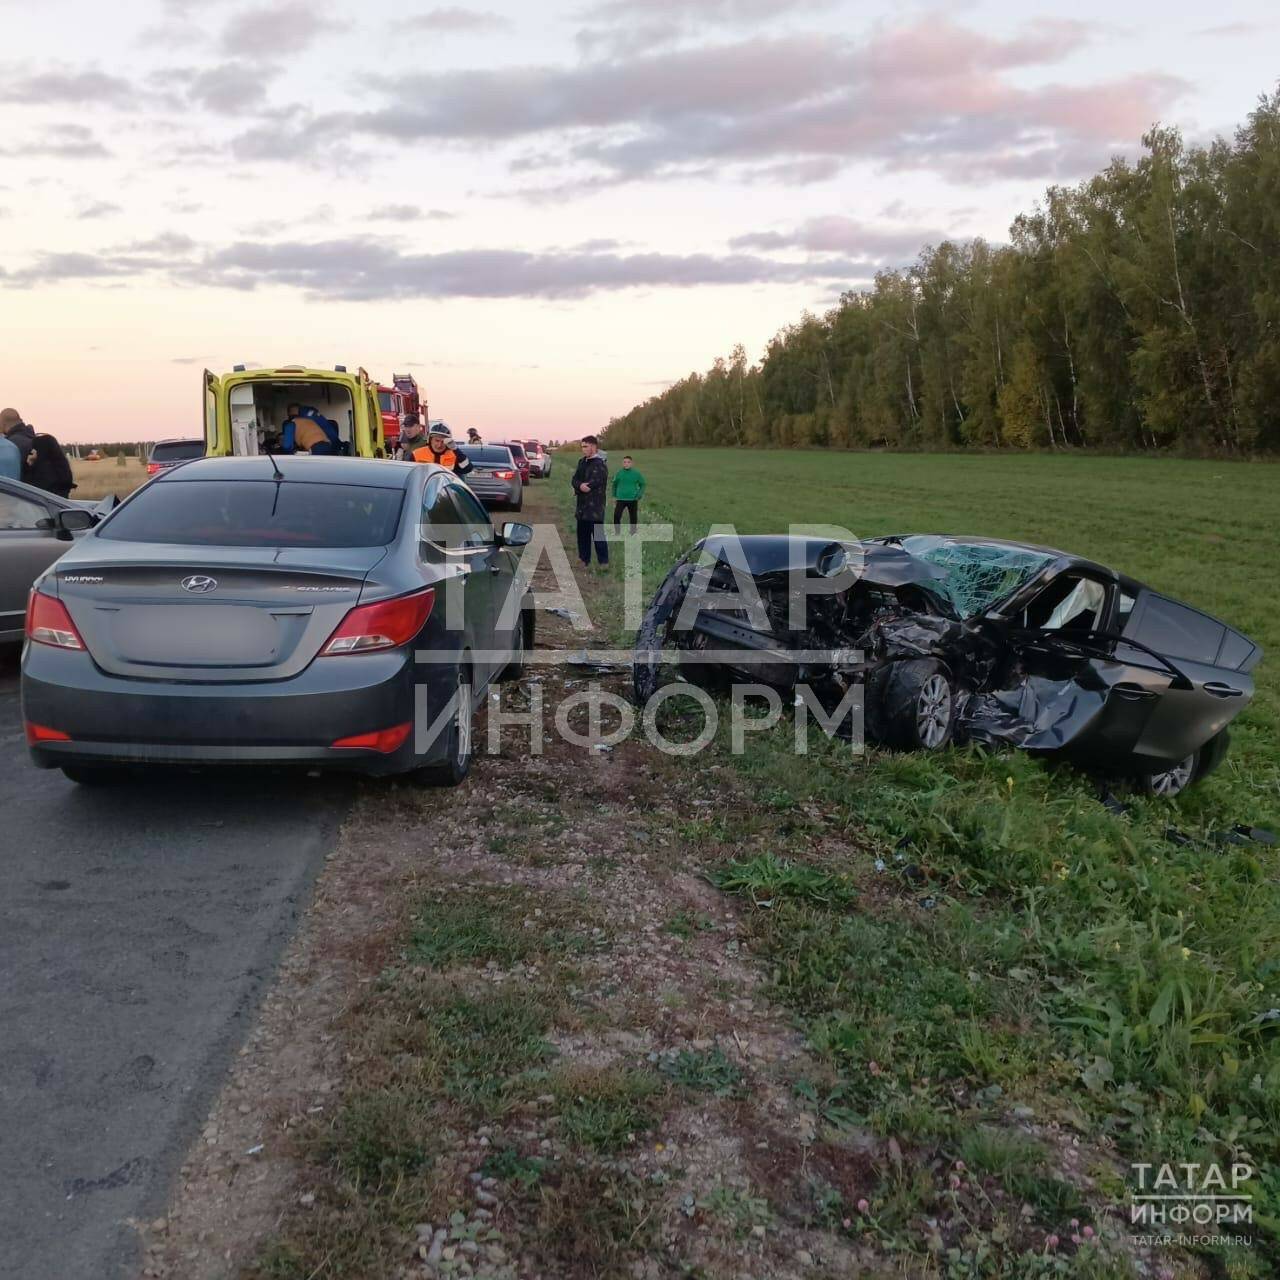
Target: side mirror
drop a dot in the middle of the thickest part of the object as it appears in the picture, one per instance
(514, 534)
(74, 520)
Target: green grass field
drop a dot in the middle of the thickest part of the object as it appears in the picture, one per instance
(1004, 944)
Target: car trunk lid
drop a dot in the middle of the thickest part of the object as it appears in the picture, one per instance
(160, 613)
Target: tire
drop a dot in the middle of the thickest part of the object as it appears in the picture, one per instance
(91, 776)
(515, 668)
(1172, 781)
(457, 762)
(518, 505)
(918, 711)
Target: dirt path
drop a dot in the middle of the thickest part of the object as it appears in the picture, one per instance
(518, 1035)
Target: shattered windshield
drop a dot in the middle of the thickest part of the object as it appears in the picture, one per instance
(978, 575)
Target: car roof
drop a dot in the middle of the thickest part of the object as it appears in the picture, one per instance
(376, 473)
(20, 489)
(180, 440)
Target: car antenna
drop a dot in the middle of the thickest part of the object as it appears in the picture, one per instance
(275, 466)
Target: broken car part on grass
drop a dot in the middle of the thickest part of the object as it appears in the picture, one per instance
(960, 639)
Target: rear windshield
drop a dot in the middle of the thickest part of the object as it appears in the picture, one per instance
(488, 454)
(177, 450)
(257, 513)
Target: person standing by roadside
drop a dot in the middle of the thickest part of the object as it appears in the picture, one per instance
(11, 457)
(590, 483)
(47, 467)
(18, 434)
(412, 436)
(439, 450)
(628, 489)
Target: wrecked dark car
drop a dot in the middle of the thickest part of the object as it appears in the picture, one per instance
(961, 639)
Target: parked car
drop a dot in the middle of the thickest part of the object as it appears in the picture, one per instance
(967, 639)
(258, 612)
(35, 529)
(520, 457)
(539, 458)
(494, 476)
(168, 453)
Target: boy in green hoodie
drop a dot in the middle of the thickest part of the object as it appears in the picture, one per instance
(628, 489)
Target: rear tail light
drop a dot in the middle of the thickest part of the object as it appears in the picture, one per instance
(382, 740)
(504, 475)
(152, 468)
(384, 625)
(48, 622)
(42, 733)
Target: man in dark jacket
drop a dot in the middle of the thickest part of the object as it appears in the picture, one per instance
(590, 488)
(19, 434)
(48, 468)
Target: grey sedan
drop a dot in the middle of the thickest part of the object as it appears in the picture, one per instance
(33, 534)
(494, 475)
(337, 613)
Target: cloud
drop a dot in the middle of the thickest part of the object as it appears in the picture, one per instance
(620, 27)
(229, 89)
(65, 87)
(790, 108)
(369, 270)
(409, 213)
(161, 247)
(453, 19)
(1229, 29)
(859, 241)
(98, 209)
(61, 142)
(275, 31)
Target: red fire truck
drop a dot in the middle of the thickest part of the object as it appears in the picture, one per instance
(400, 398)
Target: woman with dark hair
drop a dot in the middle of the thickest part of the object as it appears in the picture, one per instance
(47, 468)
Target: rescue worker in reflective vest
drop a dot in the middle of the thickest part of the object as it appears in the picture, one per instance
(442, 453)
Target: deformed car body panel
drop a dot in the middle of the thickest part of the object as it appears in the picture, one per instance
(1042, 650)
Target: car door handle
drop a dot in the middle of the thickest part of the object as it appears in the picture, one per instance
(1133, 692)
(1220, 690)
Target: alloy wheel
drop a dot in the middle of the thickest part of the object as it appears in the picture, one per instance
(462, 720)
(1174, 779)
(933, 711)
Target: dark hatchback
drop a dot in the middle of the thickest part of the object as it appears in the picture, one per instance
(326, 612)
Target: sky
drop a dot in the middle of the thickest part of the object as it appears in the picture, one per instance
(545, 212)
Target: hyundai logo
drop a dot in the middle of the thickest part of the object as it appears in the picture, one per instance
(198, 583)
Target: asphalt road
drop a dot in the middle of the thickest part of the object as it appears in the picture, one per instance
(138, 928)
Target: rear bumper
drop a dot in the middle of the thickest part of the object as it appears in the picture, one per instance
(495, 491)
(110, 720)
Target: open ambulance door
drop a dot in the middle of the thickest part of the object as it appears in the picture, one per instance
(370, 441)
(214, 427)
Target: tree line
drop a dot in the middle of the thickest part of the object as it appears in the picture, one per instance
(1139, 310)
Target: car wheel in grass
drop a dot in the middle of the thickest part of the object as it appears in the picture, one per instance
(1167, 783)
(919, 710)
(457, 762)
